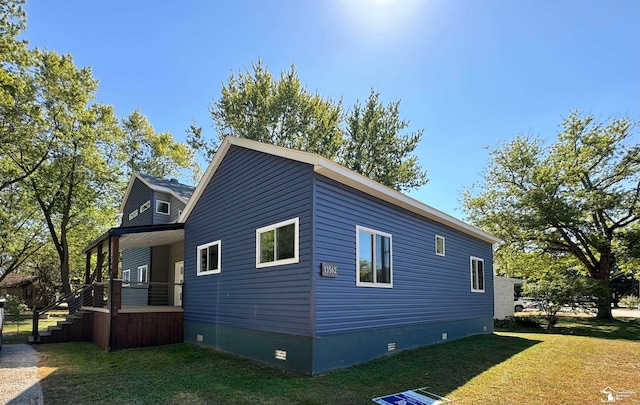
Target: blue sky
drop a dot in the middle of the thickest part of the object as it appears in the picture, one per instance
(469, 73)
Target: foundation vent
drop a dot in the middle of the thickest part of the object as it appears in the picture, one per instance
(445, 336)
(281, 355)
(199, 337)
(391, 346)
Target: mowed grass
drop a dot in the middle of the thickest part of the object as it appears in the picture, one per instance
(530, 367)
(19, 332)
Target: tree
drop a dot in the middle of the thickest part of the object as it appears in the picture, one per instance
(257, 106)
(21, 153)
(375, 147)
(578, 196)
(149, 152)
(254, 105)
(81, 176)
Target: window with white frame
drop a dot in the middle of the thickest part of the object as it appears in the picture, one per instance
(145, 206)
(143, 274)
(440, 245)
(163, 207)
(209, 258)
(374, 262)
(126, 276)
(133, 214)
(277, 244)
(477, 274)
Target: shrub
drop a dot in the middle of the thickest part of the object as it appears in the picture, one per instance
(630, 301)
(14, 306)
(518, 322)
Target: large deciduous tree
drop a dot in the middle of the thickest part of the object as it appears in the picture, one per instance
(255, 105)
(149, 152)
(579, 196)
(375, 147)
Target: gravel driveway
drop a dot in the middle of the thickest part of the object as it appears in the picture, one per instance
(19, 383)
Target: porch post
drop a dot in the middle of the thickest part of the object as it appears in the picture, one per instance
(99, 263)
(115, 256)
(87, 269)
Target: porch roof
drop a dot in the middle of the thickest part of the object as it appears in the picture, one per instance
(141, 236)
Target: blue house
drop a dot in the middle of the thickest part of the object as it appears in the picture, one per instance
(148, 201)
(289, 259)
(296, 261)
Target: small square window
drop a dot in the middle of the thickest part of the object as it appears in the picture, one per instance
(440, 245)
(145, 206)
(209, 258)
(133, 214)
(163, 207)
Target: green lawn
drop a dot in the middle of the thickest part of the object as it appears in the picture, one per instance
(567, 366)
(19, 332)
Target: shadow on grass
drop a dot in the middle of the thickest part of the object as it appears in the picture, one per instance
(188, 374)
(587, 326)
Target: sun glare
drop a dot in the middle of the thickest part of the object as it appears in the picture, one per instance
(382, 18)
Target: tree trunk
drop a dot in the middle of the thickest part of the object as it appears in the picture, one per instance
(604, 296)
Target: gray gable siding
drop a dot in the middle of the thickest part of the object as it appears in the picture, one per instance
(133, 258)
(426, 288)
(251, 190)
(138, 195)
(175, 206)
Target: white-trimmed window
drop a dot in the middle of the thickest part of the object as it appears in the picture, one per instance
(126, 277)
(374, 265)
(277, 244)
(163, 207)
(477, 274)
(145, 206)
(133, 214)
(440, 245)
(143, 274)
(209, 258)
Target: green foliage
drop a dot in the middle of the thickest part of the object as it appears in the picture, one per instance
(14, 306)
(630, 301)
(556, 290)
(576, 197)
(370, 140)
(156, 154)
(257, 106)
(375, 147)
(517, 322)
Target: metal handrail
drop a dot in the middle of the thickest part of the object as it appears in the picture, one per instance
(73, 300)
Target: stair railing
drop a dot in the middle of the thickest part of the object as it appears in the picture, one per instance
(75, 300)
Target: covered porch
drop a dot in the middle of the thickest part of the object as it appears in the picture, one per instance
(123, 312)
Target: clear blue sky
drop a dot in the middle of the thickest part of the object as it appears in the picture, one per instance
(470, 73)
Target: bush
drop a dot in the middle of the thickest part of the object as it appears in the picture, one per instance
(630, 301)
(14, 306)
(518, 322)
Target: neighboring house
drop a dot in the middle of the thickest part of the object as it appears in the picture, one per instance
(504, 295)
(296, 261)
(24, 287)
(292, 260)
(152, 201)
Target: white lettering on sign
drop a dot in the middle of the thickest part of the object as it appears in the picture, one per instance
(329, 270)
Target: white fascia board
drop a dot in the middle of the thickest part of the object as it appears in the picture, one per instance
(341, 174)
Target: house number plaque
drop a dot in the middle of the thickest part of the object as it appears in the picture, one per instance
(329, 270)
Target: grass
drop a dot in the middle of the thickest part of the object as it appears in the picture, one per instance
(569, 365)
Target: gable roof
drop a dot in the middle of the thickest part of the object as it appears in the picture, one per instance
(339, 173)
(170, 186)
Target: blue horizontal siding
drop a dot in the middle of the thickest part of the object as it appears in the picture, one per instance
(248, 191)
(138, 195)
(133, 258)
(426, 288)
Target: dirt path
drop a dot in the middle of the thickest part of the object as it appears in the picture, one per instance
(19, 383)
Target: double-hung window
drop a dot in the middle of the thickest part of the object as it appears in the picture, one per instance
(209, 258)
(477, 274)
(143, 274)
(277, 244)
(374, 262)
